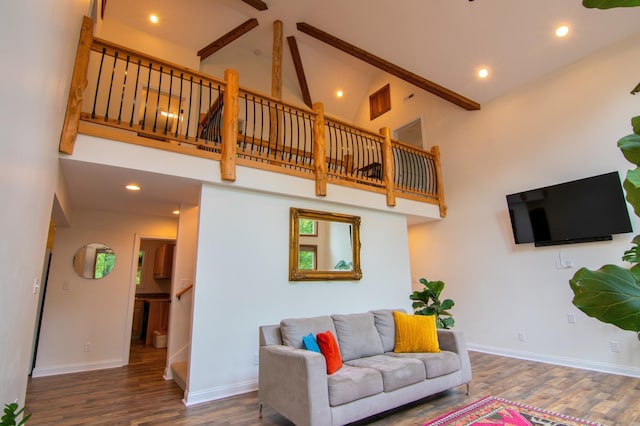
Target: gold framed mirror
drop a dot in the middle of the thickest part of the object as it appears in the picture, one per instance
(323, 246)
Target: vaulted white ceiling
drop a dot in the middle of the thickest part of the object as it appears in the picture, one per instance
(441, 40)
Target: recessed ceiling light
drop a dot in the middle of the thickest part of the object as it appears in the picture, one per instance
(153, 18)
(133, 187)
(339, 93)
(482, 72)
(562, 31)
(176, 212)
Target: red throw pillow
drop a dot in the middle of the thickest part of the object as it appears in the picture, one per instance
(329, 348)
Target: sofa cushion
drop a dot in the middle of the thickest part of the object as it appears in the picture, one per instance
(435, 364)
(357, 335)
(386, 326)
(415, 333)
(309, 343)
(293, 329)
(396, 372)
(329, 348)
(351, 383)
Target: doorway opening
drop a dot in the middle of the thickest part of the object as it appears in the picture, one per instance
(152, 296)
(410, 134)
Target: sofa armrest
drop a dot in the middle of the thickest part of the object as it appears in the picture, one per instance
(294, 383)
(454, 341)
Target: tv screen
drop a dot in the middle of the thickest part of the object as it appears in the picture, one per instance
(590, 209)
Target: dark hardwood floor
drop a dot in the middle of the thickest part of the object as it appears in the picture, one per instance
(138, 395)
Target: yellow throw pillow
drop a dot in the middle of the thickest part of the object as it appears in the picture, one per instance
(415, 333)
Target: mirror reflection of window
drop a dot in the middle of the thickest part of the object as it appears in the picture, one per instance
(308, 257)
(308, 227)
(94, 261)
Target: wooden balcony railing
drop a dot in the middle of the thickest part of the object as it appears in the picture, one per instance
(121, 94)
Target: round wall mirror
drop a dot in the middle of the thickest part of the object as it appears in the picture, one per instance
(94, 261)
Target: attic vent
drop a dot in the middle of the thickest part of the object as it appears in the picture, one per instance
(379, 102)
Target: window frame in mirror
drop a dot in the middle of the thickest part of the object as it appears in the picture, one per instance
(297, 274)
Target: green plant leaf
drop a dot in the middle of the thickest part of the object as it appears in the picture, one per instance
(635, 123)
(608, 4)
(632, 255)
(633, 195)
(630, 147)
(447, 322)
(446, 304)
(610, 294)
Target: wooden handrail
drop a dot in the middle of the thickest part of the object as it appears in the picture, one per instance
(180, 292)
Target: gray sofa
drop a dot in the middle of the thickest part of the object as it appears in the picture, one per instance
(373, 378)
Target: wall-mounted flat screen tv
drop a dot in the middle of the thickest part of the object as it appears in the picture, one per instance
(590, 209)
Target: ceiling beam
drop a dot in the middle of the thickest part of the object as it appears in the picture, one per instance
(390, 68)
(276, 61)
(227, 38)
(297, 63)
(256, 4)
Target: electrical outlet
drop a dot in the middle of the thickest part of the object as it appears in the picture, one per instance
(615, 346)
(256, 359)
(571, 318)
(87, 346)
(521, 336)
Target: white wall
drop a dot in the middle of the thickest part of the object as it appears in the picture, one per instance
(38, 42)
(242, 281)
(78, 310)
(184, 272)
(117, 32)
(560, 128)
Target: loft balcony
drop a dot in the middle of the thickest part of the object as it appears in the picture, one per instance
(124, 95)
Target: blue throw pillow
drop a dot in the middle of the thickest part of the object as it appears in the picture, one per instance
(309, 343)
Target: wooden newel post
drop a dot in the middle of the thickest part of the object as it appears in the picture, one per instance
(387, 166)
(76, 91)
(229, 126)
(439, 186)
(319, 158)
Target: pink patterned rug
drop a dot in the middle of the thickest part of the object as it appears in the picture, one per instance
(492, 410)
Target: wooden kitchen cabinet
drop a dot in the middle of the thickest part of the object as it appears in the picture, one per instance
(163, 264)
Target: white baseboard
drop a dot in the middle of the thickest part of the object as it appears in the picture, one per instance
(76, 368)
(567, 362)
(198, 397)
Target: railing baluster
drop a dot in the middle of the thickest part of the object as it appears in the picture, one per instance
(155, 120)
(166, 123)
(135, 93)
(189, 113)
(124, 85)
(179, 107)
(146, 99)
(113, 73)
(198, 135)
(95, 99)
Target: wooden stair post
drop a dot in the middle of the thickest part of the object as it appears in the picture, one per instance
(275, 128)
(76, 91)
(229, 126)
(387, 166)
(439, 186)
(319, 158)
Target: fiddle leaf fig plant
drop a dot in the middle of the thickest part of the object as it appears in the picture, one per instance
(611, 294)
(427, 302)
(608, 4)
